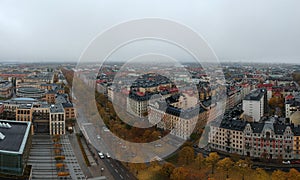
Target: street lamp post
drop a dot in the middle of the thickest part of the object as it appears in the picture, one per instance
(102, 169)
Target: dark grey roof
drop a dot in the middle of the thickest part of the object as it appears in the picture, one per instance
(133, 95)
(51, 91)
(238, 125)
(279, 128)
(150, 80)
(61, 98)
(30, 90)
(56, 108)
(257, 127)
(183, 113)
(296, 130)
(255, 95)
(293, 102)
(14, 136)
(67, 105)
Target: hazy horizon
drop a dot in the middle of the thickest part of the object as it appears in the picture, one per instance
(253, 31)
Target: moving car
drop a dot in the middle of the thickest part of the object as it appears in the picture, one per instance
(101, 155)
(98, 137)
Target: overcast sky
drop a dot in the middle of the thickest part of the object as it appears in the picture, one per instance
(59, 30)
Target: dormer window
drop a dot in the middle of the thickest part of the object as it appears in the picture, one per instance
(268, 135)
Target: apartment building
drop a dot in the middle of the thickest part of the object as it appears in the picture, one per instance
(69, 110)
(57, 119)
(296, 143)
(270, 139)
(30, 92)
(255, 104)
(227, 136)
(6, 89)
(45, 118)
(146, 87)
(178, 113)
(292, 105)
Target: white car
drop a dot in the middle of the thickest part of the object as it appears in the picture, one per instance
(98, 137)
(105, 129)
(286, 162)
(107, 155)
(101, 155)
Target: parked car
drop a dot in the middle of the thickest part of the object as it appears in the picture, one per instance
(105, 129)
(296, 162)
(98, 137)
(101, 155)
(107, 155)
(286, 162)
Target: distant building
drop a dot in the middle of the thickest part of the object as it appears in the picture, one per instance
(45, 118)
(5, 89)
(296, 143)
(69, 110)
(50, 96)
(178, 113)
(145, 88)
(1, 108)
(292, 105)
(255, 104)
(57, 119)
(30, 92)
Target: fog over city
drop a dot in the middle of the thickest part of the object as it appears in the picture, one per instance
(254, 31)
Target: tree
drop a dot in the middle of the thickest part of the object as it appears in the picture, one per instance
(199, 161)
(179, 173)
(242, 166)
(293, 174)
(55, 79)
(154, 163)
(261, 174)
(167, 169)
(225, 165)
(136, 167)
(212, 160)
(278, 175)
(186, 155)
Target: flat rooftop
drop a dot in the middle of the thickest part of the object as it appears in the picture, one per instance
(15, 137)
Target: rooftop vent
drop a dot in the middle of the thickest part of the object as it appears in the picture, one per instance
(2, 136)
(5, 125)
